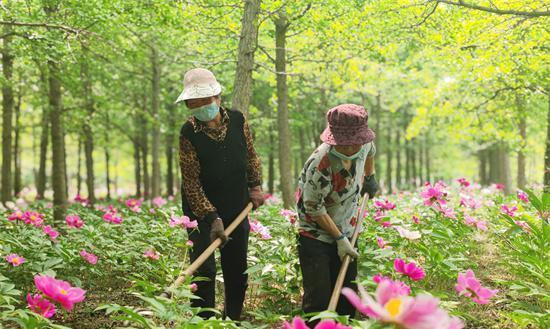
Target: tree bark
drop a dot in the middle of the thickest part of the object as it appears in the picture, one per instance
(483, 174)
(506, 175)
(547, 152)
(245, 58)
(155, 106)
(44, 141)
(7, 117)
(145, 152)
(285, 160)
(413, 161)
(58, 145)
(378, 118)
(78, 169)
(17, 181)
(398, 178)
(521, 179)
(388, 147)
(170, 140)
(137, 167)
(271, 163)
(427, 159)
(87, 130)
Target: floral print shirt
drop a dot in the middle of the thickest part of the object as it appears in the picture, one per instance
(325, 186)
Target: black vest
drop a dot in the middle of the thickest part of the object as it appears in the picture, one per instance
(222, 168)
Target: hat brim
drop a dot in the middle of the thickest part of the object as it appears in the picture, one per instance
(360, 136)
(199, 91)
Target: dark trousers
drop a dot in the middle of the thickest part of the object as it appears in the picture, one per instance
(320, 266)
(233, 261)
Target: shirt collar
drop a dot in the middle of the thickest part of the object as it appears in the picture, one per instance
(201, 125)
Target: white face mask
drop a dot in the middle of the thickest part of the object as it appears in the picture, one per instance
(346, 157)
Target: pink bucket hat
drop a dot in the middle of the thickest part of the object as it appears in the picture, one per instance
(347, 125)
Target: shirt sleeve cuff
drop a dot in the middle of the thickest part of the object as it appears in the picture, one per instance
(210, 217)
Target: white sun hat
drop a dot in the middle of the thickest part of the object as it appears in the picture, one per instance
(199, 83)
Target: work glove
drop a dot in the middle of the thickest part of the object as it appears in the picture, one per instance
(345, 248)
(370, 186)
(256, 196)
(217, 231)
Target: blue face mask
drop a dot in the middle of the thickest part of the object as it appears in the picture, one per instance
(345, 157)
(206, 112)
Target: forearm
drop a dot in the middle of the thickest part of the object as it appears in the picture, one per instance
(328, 225)
(369, 166)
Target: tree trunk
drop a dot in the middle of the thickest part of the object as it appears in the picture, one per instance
(44, 139)
(155, 106)
(521, 179)
(407, 164)
(170, 140)
(87, 131)
(58, 145)
(420, 149)
(271, 163)
(107, 172)
(506, 175)
(547, 152)
(17, 183)
(398, 182)
(427, 158)
(285, 160)
(494, 165)
(137, 167)
(388, 147)
(245, 58)
(145, 152)
(483, 173)
(7, 117)
(413, 161)
(78, 169)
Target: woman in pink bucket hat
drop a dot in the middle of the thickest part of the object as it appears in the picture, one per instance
(329, 188)
(221, 173)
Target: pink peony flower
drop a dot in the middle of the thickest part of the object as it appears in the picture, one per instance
(51, 232)
(290, 215)
(33, 218)
(498, 186)
(393, 305)
(523, 196)
(111, 216)
(509, 210)
(381, 243)
(410, 235)
(257, 227)
(15, 259)
(463, 182)
(59, 291)
(479, 224)
(448, 212)
(193, 287)
(40, 305)
(16, 215)
(415, 219)
(134, 205)
(89, 257)
(74, 221)
(470, 202)
(434, 194)
(467, 285)
(379, 215)
(189, 243)
(81, 200)
(386, 224)
(400, 287)
(416, 273)
(524, 225)
(183, 221)
(384, 205)
(299, 323)
(151, 254)
(158, 202)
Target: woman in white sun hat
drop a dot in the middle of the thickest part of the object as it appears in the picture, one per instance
(221, 173)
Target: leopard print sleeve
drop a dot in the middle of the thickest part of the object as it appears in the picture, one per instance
(192, 187)
(254, 165)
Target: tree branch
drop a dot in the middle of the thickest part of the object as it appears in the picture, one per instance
(530, 14)
(47, 25)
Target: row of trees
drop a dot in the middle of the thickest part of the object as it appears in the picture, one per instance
(451, 87)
